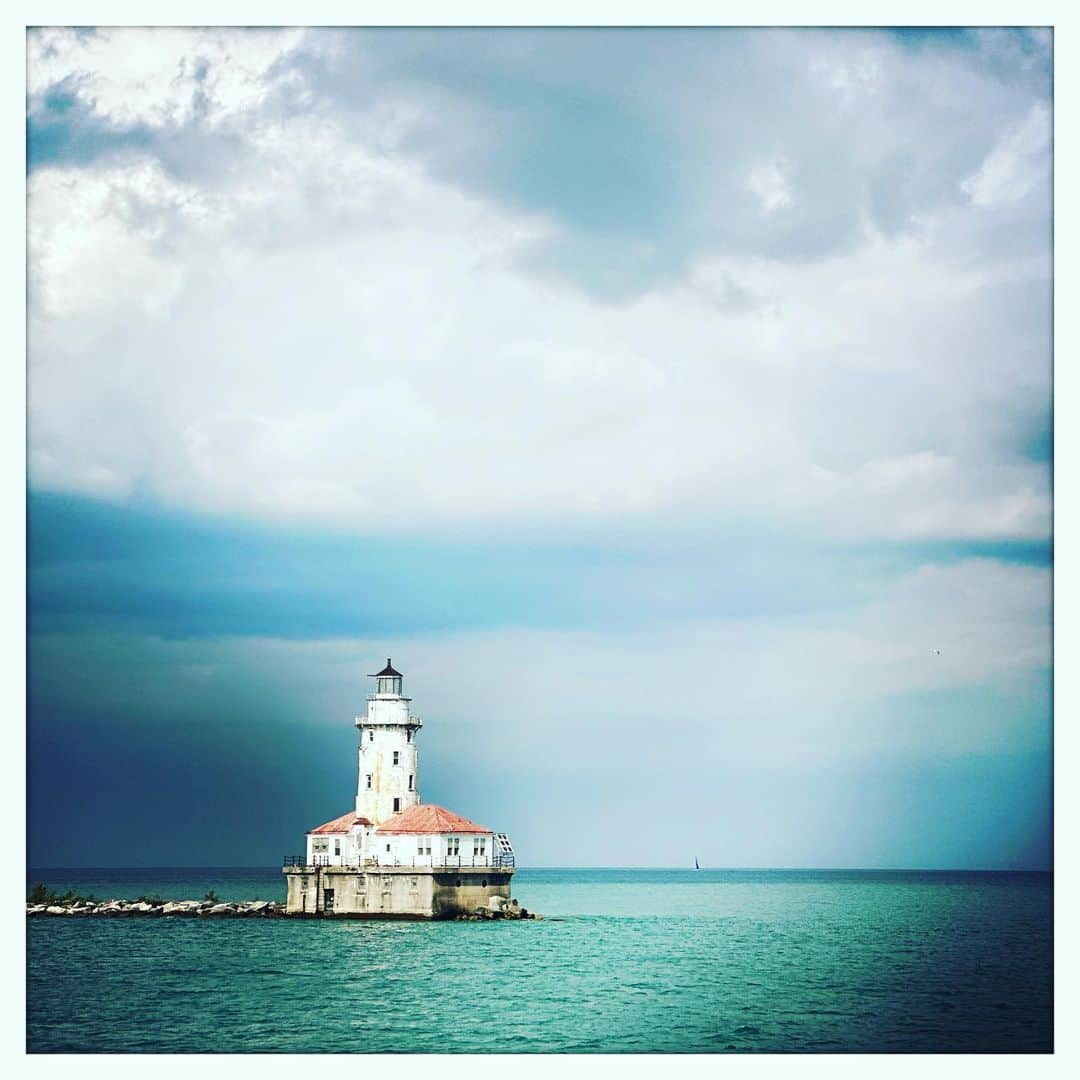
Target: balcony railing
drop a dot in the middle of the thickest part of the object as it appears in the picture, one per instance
(437, 862)
(303, 860)
(451, 862)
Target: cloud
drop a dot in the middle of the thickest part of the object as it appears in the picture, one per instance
(769, 182)
(374, 311)
(799, 686)
(765, 736)
(111, 224)
(684, 434)
(799, 689)
(161, 77)
(1017, 164)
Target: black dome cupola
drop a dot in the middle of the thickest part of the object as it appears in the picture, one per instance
(389, 680)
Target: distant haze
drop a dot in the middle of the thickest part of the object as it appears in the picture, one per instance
(673, 406)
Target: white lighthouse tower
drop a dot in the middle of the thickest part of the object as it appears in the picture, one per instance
(392, 855)
(388, 780)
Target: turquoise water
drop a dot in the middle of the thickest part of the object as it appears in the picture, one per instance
(624, 961)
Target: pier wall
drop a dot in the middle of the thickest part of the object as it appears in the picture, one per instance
(392, 892)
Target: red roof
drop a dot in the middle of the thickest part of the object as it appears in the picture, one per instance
(341, 824)
(430, 819)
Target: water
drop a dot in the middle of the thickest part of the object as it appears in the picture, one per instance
(624, 961)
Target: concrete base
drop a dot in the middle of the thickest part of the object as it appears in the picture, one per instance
(392, 892)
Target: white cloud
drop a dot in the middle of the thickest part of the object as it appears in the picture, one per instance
(800, 689)
(97, 248)
(768, 181)
(851, 74)
(327, 331)
(1017, 164)
(164, 77)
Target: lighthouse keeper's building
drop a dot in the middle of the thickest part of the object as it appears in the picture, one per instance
(392, 855)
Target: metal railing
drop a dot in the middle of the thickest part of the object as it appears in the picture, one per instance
(303, 860)
(456, 862)
(446, 862)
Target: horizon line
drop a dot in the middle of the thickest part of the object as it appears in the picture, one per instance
(679, 866)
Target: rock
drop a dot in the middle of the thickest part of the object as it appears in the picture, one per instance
(114, 908)
(180, 907)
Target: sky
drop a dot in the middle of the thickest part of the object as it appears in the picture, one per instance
(673, 406)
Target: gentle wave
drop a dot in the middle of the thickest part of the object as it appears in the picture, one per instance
(624, 961)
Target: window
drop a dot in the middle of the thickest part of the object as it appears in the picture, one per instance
(409, 735)
(453, 845)
(478, 845)
(397, 756)
(337, 847)
(410, 781)
(423, 845)
(320, 845)
(369, 781)
(371, 735)
(397, 805)
(387, 847)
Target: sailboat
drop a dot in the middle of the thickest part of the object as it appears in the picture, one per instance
(696, 866)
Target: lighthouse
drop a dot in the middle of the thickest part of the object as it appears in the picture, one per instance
(387, 774)
(392, 855)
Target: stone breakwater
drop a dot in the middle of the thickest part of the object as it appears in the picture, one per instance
(191, 908)
(209, 909)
